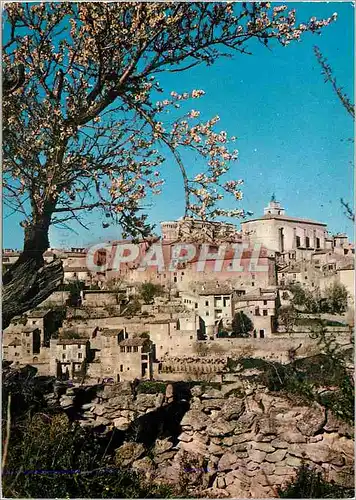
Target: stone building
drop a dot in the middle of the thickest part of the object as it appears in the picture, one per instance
(291, 237)
(21, 344)
(191, 229)
(68, 355)
(261, 309)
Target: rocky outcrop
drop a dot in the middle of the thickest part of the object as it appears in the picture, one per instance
(229, 444)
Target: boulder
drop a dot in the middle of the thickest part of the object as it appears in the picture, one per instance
(277, 456)
(121, 423)
(312, 421)
(112, 390)
(212, 404)
(162, 445)
(232, 410)
(196, 391)
(186, 436)
(244, 423)
(98, 409)
(195, 419)
(278, 443)
(144, 466)
(293, 461)
(194, 447)
(264, 447)
(212, 394)
(257, 456)
(333, 424)
(128, 453)
(227, 462)
(66, 402)
(292, 437)
(220, 428)
(145, 401)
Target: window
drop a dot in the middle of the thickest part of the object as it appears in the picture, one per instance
(27, 334)
(346, 251)
(80, 355)
(294, 275)
(318, 243)
(122, 349)
(63, 356)
(196, 305)
(182, 274)
(207, 313)
(121, 368)
(265, 312)
(175, 279)
(265, 302)
(129, 348)
(64, 347)
(252, 284)
(191, 337)
(307, 242)
(206, 303)
(135, 349)
(16, 354)
(28, 351)
(262, 334)
(297, 240)
(257, 311)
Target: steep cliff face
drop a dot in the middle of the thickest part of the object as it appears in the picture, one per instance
(222, 443)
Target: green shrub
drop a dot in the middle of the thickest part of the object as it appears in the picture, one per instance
(151, 387)
(311, 484)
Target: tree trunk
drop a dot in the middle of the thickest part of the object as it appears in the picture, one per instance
(30, 280)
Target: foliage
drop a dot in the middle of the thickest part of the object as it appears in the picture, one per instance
(241, 325)
(74, 288)
(70, 334)
(287, 317)
(151, 387)
(132, 308)
(201, 349)
(333, 300)
(148, 291)
(82, 131)
(336, 298)
(111, 309)
(311, 484)
(51, 458)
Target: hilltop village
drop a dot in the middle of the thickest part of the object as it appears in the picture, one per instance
(227, 293)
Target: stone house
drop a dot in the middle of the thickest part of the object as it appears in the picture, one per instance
(174, 335)
(21, 344)
(261, 309)
(291, 237)
(68, 355)
(135, 360)
(45, 321)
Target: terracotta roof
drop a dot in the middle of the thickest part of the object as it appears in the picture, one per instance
(247, 297)
(285, 218)
(107, 332)
(71, 341)
(135, 342)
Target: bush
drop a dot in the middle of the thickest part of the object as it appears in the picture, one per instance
(148, 291)
(241, 325)
(311, 484)
(52, 458)
(151, 387)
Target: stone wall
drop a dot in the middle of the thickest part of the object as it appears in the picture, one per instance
(240, 442)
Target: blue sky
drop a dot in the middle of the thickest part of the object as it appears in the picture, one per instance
(292, 131)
